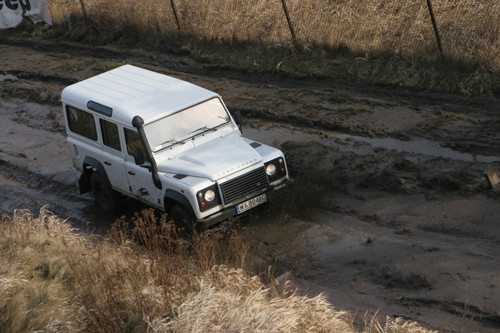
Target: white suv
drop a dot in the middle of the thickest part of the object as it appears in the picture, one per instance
(168, 143)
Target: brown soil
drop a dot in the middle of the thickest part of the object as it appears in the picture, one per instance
(390, 210)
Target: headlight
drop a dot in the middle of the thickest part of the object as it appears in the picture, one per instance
(276, 169)
(270, 169)
(208, 198)
(209, 195)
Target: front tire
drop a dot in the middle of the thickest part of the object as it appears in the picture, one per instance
(184, 221)
(106, 198)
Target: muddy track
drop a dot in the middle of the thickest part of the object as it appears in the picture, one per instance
(23, 189)
(390, 211)
(462, 123)
(443, 108)
(472, 312)
(181, 63)
(455, 308)
(36, 76)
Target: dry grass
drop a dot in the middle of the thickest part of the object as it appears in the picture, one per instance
(375, 42)
(54, 280)
(34, 274)
(469, 29)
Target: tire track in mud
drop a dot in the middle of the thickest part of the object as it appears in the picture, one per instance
(461, 309)
(23, 188)
(37, 76)
(317, 124)
(177, 61)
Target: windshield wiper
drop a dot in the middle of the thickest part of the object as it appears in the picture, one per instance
(202, 130)
(199, 129)
(174, 142)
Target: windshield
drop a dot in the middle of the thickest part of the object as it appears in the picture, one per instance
(188, 123)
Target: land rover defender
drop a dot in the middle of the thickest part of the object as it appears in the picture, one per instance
(168, 143)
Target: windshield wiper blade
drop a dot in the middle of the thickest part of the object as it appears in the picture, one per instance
(202, 130)
(199, 129)
(174, 142)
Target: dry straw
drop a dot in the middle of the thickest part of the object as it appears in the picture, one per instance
(469, 29)
(54, 280)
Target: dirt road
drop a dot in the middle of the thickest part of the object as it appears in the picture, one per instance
(390, 211)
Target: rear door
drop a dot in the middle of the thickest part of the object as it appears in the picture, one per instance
(113, 158)
(82, 135)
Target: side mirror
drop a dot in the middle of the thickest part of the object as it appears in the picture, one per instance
(139, 158)
(237, 119)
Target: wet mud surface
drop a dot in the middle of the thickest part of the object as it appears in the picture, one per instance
(390, 210)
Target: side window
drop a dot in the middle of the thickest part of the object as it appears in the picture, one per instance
(81, 122)
(110, 136)
(134, 143)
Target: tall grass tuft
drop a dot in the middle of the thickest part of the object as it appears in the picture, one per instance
(144, 279)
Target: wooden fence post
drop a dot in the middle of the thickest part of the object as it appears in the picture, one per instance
(175, 14)
(288, 20)
(434, 25)
(84, 11)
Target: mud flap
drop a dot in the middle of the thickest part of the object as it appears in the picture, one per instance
(84, 183)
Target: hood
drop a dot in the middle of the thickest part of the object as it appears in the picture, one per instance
(213, 160)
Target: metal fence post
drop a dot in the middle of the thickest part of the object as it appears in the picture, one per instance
(288, 20)
(434, 25)
(175, 14)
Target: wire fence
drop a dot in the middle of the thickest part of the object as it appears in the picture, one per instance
(466, 30)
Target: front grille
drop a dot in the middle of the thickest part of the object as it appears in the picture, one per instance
(244, 185)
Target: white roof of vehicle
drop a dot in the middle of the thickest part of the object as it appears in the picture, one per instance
(132, 91)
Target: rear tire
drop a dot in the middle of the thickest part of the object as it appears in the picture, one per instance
(106, 198)
(184, 221)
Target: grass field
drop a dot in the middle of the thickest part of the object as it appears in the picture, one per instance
(53, 279)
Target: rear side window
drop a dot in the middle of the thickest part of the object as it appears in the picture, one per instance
(81, 122)
(110, 136)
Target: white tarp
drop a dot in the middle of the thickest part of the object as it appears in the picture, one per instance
(13, 11)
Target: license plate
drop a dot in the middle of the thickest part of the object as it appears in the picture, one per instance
(254, 202)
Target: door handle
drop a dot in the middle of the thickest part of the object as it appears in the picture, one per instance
(107, 163)
(131, 173)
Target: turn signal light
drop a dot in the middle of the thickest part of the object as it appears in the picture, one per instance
(202, 204)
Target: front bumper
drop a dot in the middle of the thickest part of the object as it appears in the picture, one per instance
(230, 212)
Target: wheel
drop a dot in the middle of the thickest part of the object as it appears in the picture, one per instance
(183, 220)
(106, 198)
